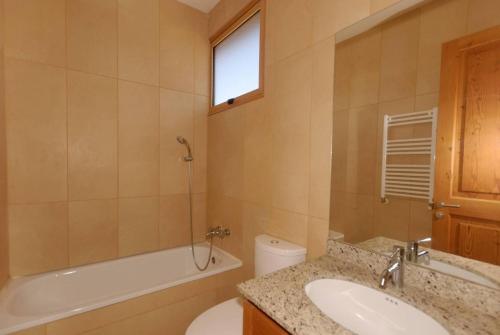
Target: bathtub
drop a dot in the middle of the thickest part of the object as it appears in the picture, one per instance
(26, 302)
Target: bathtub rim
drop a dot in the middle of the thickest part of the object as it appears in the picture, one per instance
(24, 322)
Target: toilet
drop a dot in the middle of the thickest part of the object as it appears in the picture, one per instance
(271, 254)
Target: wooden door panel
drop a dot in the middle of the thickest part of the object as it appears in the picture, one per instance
(478, 241)
(480, 158)
(468, 147)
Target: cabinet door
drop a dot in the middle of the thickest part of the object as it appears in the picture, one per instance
(255, 322)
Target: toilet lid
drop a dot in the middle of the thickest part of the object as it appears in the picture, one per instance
(223, 319)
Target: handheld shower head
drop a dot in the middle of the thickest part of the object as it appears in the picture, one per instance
(183, 141)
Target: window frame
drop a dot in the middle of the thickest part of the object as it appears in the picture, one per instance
(243, 16)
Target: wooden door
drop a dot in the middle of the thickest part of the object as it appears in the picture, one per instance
(468, 148)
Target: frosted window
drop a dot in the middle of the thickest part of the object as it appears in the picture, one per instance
(236, 62)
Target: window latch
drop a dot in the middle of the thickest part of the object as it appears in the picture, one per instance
(230, 101)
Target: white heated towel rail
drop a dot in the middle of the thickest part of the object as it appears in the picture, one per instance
(409, 180)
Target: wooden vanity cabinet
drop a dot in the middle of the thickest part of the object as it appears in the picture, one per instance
(256, 322)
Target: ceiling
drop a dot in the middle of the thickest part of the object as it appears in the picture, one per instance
(203, 5)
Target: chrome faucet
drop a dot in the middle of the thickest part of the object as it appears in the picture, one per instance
(218, 232)
(412, 252)
(395, 269)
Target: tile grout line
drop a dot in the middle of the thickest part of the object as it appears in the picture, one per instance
(69, 69)
(117, 12)
(158, 222)
(68, 174)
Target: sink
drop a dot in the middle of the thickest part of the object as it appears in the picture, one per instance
(457, 272)
(363, 310)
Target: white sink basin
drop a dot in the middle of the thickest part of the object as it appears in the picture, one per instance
(363, 310)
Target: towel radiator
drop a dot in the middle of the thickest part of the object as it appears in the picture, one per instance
(409, 180)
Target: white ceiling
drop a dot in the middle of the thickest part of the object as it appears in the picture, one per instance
(203, 5)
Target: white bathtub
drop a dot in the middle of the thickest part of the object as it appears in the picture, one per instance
(30, 301)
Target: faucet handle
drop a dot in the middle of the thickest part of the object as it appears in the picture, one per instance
(425, 240)
(397, 252)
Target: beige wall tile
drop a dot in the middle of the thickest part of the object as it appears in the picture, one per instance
(257, 149)
(361, 151)
(392, 220)
(177, 28)
(40, 330)
(38, 238)
(217, 18)
(92, 36)
(233, 7)
(174, 221)
(440, 22)
(321, 129)
(290, 87)
(173, 319)
(398, 67)
(225, 155)
(229, 215)
(483, 14)
(289, 226)
(92, 104)
(342, 76)
(199, 216)
(289, 28)
(426, 101)
(330, 16)
(339, 150)
(175, 227)
(138, 40)
(69, 147)
(352, 215)
(317, 235)
(202, 50)
(200, 143)
(377, 5)
(139, 140)
(35, 30)
(93, 231)
(36, 132)
(420, 220)
(138, 225)
(176, 119)
(365, 72)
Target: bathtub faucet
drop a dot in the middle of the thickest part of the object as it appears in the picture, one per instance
(218, 232)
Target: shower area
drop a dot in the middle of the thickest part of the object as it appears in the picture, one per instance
(94, 96)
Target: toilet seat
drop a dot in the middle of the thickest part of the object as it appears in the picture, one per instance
(223, 319)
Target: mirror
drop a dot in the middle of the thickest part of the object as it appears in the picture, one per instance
(439, 195)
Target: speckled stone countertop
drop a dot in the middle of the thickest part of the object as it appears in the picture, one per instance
(383, 245)
(461, 307)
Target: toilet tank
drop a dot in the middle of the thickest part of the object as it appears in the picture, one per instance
(272, 254)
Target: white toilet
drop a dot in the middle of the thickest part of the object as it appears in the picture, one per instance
(271, 254)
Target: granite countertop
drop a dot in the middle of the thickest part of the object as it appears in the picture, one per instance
(281, 295)
(491, 272)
